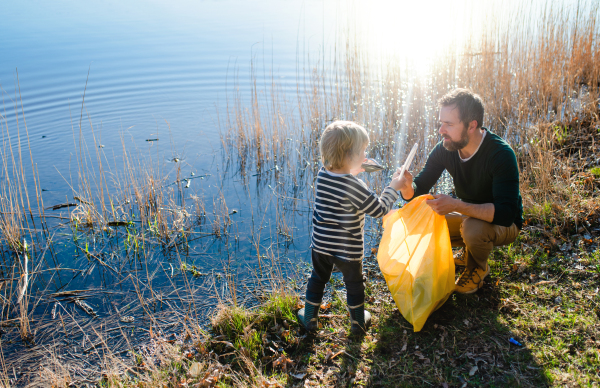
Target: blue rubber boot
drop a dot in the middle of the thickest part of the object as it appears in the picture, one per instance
(360, 319)
(309, 315)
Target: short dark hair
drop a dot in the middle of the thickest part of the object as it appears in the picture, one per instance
(469, 104)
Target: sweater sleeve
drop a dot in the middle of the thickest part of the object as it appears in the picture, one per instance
(505, 188)
(377, 206)
(429, 175)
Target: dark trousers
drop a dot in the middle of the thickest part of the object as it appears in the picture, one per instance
(321, 273)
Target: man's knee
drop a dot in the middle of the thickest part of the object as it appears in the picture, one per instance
(474, 231)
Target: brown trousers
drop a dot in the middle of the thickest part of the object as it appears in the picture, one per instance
(478, 237)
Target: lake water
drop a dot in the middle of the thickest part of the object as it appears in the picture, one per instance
(175, 72)
(148, 70)
(148, 63)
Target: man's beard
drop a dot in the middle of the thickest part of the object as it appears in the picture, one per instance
(457, 145)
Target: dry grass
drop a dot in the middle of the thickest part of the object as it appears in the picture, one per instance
(534, 76)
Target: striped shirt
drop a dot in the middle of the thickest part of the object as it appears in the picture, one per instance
(341, 202)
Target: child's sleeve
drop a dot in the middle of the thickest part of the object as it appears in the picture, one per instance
(376, 206)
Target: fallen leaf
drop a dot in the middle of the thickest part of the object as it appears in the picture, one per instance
(422, 357)
(283, 362)
(328, 355)
(473, 370)
(299, 376)
(337, 354)
(210, 378)
(195, 369)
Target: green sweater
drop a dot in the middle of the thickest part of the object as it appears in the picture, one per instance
(490, 176)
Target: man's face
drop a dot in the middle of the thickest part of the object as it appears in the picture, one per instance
(452, 129)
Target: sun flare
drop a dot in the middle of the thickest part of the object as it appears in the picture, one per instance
(417, 33)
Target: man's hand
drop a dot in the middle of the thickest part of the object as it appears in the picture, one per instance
(443, 204)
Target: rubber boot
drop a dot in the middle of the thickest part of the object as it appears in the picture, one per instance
(360, 319)
(309, 315)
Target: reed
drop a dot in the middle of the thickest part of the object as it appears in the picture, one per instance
(22, 298)
(533, 76)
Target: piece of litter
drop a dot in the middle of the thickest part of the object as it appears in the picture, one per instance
(299, 376)
(514, 342)
(409, 159)
(473, 370)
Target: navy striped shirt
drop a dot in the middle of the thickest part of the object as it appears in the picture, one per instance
(341, 203)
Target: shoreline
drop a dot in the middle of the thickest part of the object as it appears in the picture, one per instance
(549, 304)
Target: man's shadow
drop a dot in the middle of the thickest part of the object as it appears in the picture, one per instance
(463, 343)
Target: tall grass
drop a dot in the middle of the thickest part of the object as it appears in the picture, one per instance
(535, 72)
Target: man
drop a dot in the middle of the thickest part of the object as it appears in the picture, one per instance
(489, 209)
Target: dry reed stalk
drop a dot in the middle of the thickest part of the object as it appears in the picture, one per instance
(531, 73)
(22, 298)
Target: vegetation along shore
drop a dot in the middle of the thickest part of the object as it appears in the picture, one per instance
(144, 229)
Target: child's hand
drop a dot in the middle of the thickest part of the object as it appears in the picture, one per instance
(399, 183)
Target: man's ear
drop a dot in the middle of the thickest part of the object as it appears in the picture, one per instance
(472, 126)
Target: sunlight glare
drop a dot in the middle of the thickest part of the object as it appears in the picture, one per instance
(417, 32)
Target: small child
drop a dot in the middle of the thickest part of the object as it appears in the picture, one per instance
(341, 202)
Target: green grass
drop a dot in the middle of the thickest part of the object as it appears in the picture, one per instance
(533, 295)
(595, 171)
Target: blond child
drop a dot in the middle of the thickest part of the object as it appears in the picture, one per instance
(341, 202)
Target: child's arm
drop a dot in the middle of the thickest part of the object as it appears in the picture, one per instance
(377, 206)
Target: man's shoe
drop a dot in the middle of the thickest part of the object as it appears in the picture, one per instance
(459, 258)
(309, 316)
(471, 280)
(360, 319)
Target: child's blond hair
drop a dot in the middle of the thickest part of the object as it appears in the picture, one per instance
(341, 140)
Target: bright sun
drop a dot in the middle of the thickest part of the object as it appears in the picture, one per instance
(416, 32)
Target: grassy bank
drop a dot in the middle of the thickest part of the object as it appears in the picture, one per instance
(542, 292)
(549, 303)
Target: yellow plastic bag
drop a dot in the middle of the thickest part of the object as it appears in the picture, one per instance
(415, 258)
